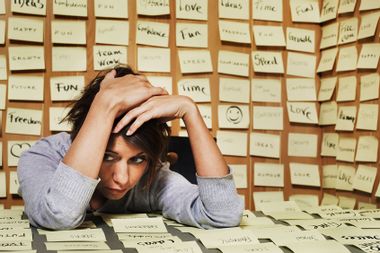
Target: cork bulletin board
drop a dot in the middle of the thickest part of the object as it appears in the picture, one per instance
(277, 82)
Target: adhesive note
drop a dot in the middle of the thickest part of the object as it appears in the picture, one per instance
(56, 115)
(267, 62)
(367, 149)
(233, 63)
(346, 118)
(26, 58)
(38, 8)
(15, 149)
(239, 172)
(365, 178)
(300, 39)
(68, 32)
(151, 8)
(369, 86)
(266, 35)
(191, 35)
(111, 8)
(25, 29)
(113, 32)
(302, 112)
(327, 60)
(302, 145)
(347, 59)
(191, 9)
(237, 32)
(234, 90)
(301, 89)
(196, 88)
(268, 174)
(265, 145)
(369, 56)
(237, 9)
(327, 88)
(66, 88)
(348, 31)
(266, 90)
(268, 117)
(233, 116)
(329, 144)
(270, 10)
(26, 87)
(346, 149)
(301, 65)
(232, 143)
(106, 57)
(69, 58)
(79, 8)
(368, 117)
(151, 59)
(327, 113)
(346, 89)
(152, 33)
(195, 61)
(345, 178)
(304, 11)
(329, 35)
(329, 10)
(23, 121)
(304, 174)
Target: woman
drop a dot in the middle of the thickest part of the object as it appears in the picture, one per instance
(114, 160)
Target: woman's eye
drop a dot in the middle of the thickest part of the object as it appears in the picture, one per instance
(108, 158)
(137, 160)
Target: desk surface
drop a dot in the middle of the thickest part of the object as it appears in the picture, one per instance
(114, 243)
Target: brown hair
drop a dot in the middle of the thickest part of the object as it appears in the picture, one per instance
(151, 137)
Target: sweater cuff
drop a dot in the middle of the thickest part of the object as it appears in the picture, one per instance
(72, 184)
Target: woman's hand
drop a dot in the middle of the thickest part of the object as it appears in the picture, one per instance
(164, 107)
(126, 92)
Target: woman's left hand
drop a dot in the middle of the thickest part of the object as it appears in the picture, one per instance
(165, 107)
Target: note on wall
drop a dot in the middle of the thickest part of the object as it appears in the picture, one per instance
(304, 11)
(195, 61)
(267, 62)
(268, 174)
(368, 24)
(15, 149)
(327, 60)
(330, 174)
(346, 118)
(26, 87)
(3, 68)
(301, 89)
(266, 90)
(232, 143)
(233, 116)
(266, 197)
(365, 178)
(329, 10)
(68, 32)
(234, 9)
(69, 59)
(111, 8)
(301, 64)
(369, 86)
(70, 8)
(3, 94)
(303, 145)
(106, 57)
(29, 7)
(265, 145)
(3, 185)
(345, 178)
(239, 172)
(368, 117)
(369, 5)
(329, 144)
(23, 121)
(266, 35)
(66, 88)
(346, 89)
(304, 174)
(152, 8)
(112, 32)
(302, 112)
(2, 31)
(13, 183)
(26, 29)
(196, 88)
(329, 35)
(327, 88)
(233, 63)
(348, 31)
(369, 56)
(346, 149)
(270, 10)
(300, 39)
(234, 90)
(237, 32)
(192, 9)
(191, 35)
(327, 113)
(165, 82)
(26, 58)
(2, 7)
(268, 118)
(347, 59)
(153, 59)
(152, 33)
(56, 115)
(346, 6)
(367, 149)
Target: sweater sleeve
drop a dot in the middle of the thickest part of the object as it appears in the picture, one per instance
(213, 203)
(55, 195)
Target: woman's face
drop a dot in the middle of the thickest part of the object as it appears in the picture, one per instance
(122, 167)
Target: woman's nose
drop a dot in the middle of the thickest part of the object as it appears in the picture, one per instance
(120, 174)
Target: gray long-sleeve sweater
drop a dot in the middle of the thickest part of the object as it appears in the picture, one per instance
(57, 197)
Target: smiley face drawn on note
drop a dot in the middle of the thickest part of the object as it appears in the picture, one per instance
(17, 149)
(234, 114)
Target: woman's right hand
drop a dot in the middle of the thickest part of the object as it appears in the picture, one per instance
(122, 94)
